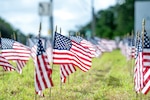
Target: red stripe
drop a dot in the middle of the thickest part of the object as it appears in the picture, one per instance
(40, 69)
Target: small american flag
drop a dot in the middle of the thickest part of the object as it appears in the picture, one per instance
(43, 70)
(138, 72)
(13, 50)
(86, 44)
(67, 51)
(146, 64)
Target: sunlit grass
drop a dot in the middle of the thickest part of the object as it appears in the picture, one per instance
(108, 79)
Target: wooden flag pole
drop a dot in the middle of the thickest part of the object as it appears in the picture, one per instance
(40, 27)
(137, 39)
(60, 71)
(14, 36)
(39, 35)
(143, 30)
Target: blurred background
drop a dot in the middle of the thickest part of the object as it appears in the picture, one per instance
(101, 18)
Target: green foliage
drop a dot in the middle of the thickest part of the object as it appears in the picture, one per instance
(108, 79)
(114, 21)
(7, 31)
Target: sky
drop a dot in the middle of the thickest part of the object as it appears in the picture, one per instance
(67, 14)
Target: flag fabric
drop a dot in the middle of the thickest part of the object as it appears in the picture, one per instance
(146, 64)
(135, 68)
(146, 51)
(109, 45)
(138, 72)
(65, 71)
(67, 51)
(49, 50)
(33, 47)
(43, 71)
(13, 50)
(20, 65)
(5, 64)
(85, 44)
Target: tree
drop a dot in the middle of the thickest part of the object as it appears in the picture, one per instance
(115, 21)
(7, 31)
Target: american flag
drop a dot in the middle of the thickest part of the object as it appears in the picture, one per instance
(138, 71)
(146, 63)
(67, 51)
(85, 44)
(43, 71)
(146, 51)
(65, 71)
(5, 64)
(13, 50)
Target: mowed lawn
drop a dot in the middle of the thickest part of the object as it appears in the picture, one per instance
(110, 78)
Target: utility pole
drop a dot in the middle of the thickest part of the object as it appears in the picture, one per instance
(51, 20)
(93, 18)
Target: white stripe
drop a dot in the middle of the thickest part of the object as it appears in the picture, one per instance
(147, 74)
(44, 70)
(63, 70)
(146, 63)
(146, 87)
(39, 76)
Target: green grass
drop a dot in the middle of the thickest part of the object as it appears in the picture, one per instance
(108, 79)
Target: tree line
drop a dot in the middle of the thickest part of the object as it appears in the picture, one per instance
(116, 20)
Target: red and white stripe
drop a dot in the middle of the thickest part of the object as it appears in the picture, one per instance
(133, 50)
(19, 52)
(138, 73)
(20, 65)
(42, 73)
(90, 46)
(146, 70)
(5, 64)
(146, 88)
(65, 71)
(77, 56)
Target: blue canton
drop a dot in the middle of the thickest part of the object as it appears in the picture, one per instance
(146, 41)
(140, 45)
(133, 41)
(40, 49)
(7, 43)
(77, 39)
(61, 42)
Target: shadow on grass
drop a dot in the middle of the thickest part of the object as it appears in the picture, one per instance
(114, 82)
(100, 74)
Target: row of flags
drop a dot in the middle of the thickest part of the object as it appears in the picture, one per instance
(69, 52)
(138, 48)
